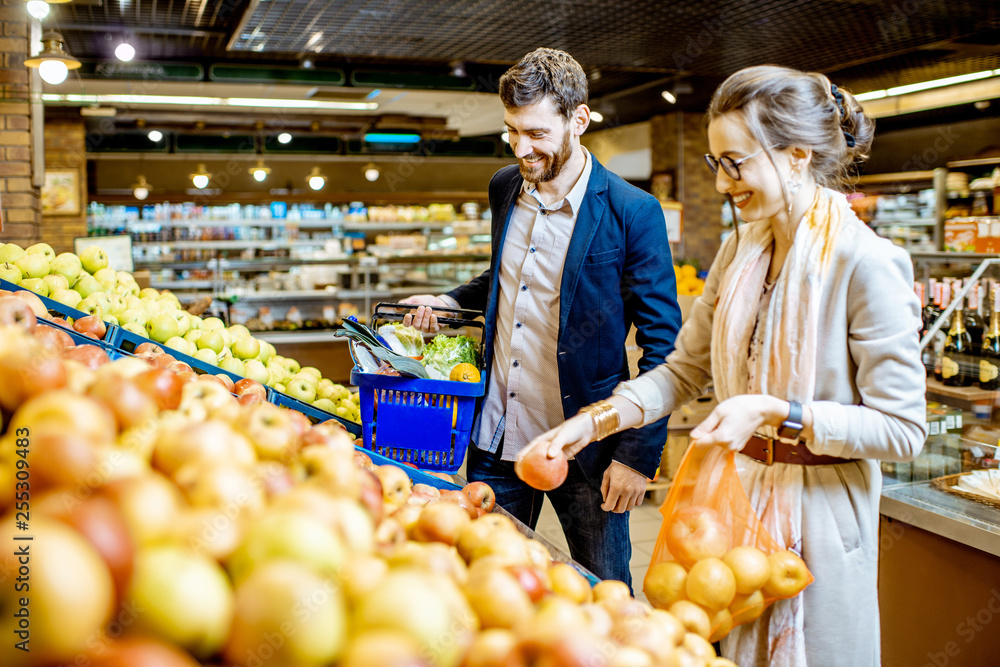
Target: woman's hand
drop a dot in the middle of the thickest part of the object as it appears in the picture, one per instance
(736, 419)
(568, 438)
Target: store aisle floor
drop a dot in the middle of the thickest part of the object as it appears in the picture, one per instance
(644, 525)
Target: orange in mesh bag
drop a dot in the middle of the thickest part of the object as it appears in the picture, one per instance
(714, 565)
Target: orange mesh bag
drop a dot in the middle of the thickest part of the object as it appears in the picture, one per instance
(714, 565)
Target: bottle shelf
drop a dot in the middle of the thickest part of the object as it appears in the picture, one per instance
(972, 394)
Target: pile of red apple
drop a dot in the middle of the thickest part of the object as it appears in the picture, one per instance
(712, 586)
(174, 526)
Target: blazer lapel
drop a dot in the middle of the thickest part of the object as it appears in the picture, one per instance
(509, 196)
(591, 210)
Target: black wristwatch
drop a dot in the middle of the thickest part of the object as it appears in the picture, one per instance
(792, 426)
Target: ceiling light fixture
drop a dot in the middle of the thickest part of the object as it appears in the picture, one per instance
(125, 52)
(505, 136)
(38, 9)
(669, 96)
(52, 62)
(316, 179)
(141, 188)
(200, 177)
(596, 116)
(284, 138)
(927, 85)
(259, 171)
(155, 135)
(189, 100)
(389, 138)
(371, 173)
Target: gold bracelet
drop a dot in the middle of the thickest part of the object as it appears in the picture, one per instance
(605, 416)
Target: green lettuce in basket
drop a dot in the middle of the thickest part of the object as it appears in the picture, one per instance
(408, 341)
(445, 352)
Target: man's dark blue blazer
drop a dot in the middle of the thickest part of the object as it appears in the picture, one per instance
(618, 272)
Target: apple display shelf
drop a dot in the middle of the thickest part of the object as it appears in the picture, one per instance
(81, 339)
(315, 414)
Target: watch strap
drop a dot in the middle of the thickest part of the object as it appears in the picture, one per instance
(792, 426)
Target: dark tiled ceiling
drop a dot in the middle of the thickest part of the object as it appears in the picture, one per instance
(862, 44)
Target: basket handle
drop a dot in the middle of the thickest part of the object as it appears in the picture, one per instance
(390, 315)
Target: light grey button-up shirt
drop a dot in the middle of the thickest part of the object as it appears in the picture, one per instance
(523, 399)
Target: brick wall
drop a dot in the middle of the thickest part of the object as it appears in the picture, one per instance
(19, 200)
(679, 143)
(65, 149)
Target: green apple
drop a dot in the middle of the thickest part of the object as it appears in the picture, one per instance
(11, 273)
(326, 388)
(125, 278)
(227, 338)
(288, 535)
(183, 321)
(107, 277)
(193, 335)
(110, 319)
(93, 259)
(300, 389)
(36, 285)
(239, 331)
(195, 322)
(292, 365)
(55, 282)
(212, 323)
(116, 306)
(67, 297)
(137, 329)
(255, 370)
(152, 306)
(247, 347)
(134, 316)
(11, 252)
(181, 345)
(207, 355)
(185, 598)
(279, 387)
(67, 265)
(346, 403)
(232, 365)
(325, 404)
(162, 328)
(91, 306)
(210, 340)
(148, 292)
(42, 249)
(33, 266)
(312, 370)
(307, 377)
(86, 285)
(133, 303)
(266, 351)
(102, 298)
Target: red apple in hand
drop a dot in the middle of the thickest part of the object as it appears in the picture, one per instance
(481, 494)
(697, 532)
(540, 472)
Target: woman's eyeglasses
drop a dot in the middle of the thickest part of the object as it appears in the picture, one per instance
(729, 165)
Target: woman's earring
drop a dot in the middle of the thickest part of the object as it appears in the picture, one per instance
(794, 182)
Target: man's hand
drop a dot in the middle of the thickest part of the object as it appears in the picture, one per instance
(622, 488)
(423, 318)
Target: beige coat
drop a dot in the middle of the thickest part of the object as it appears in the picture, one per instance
(868, 405)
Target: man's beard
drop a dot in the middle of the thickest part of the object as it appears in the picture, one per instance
(553, 164)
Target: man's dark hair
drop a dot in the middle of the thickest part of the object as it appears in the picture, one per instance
(541, 73)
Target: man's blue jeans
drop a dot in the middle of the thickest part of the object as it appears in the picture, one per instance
(598, 540)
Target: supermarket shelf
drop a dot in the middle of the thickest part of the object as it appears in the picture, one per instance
(361, 226)
(287, 337)
(263, 263)
(403, 225)
(963, 393)
(955, 256)
(230, 245)
(903, 223)
(182, 285)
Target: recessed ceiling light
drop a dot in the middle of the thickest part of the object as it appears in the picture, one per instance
(38, 9)
(284, 138)
(125, 52)
(669, 96)
(155, 135)
(596, 116)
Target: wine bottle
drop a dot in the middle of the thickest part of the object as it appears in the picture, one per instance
(989, 359)
(942, 299)
(927, 354)
(973, 320)
(955, 361)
